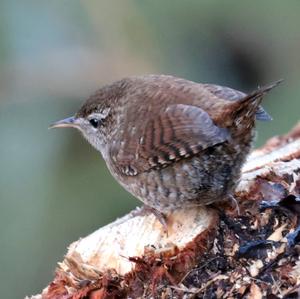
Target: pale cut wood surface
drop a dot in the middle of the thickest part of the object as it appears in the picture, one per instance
(110, 246)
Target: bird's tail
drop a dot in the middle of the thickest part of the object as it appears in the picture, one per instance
(249, 106)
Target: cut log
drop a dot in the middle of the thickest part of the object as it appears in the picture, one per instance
(207, 253)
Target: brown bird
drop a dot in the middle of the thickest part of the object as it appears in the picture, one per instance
(171, 142)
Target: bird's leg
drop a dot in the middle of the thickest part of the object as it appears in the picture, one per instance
(235, 203)
(228, 203)
(160, 217)
(145, 209)
(226, 213)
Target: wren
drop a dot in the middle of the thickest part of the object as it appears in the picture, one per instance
(171, 142)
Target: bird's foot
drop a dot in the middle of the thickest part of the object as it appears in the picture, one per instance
(228, 205)
(146, 210)
(235, 204)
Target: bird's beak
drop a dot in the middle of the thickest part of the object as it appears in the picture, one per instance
(69, 122)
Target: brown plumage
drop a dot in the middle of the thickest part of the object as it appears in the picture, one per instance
(169, 141)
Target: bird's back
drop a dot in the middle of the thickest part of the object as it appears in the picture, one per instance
(159, 91)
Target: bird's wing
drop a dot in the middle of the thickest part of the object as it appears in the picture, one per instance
(178, 131)
(235, 95)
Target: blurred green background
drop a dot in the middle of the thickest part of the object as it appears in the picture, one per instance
(54, 188)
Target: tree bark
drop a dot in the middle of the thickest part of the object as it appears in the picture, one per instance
(249, 250)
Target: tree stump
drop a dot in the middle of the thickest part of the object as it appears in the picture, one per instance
(247, 252)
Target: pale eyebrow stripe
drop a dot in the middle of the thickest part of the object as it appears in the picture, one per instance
(101, 115)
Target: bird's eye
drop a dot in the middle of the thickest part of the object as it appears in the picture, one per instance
(94, 122)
